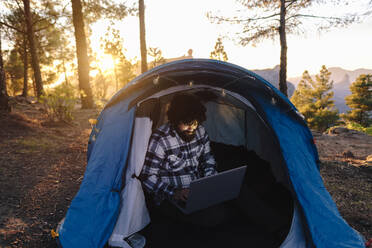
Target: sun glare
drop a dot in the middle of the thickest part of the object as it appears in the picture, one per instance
(106, 62)
(102, 62)
(61, 79)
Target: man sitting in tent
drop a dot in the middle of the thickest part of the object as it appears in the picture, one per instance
(178, 153)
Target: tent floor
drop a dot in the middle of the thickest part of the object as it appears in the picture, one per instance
(164, 233)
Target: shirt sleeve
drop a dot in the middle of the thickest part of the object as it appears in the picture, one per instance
(207, 161)
(150, 173)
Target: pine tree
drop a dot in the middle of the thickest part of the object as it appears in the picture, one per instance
(82, 55)
(302, 97)
(4, 101)
(14, 68)
(219, 51)
(123, 68)
(360, 101)
(48, 39)
(35, 60)
(313, 100)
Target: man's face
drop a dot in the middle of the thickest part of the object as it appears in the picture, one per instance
(187, 130)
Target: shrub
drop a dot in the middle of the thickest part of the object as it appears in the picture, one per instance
(369, 130)
(59, 103)
(354, 126)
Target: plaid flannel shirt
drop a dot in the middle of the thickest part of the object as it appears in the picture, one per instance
(172, 163)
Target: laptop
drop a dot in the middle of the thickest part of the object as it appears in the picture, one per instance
(212, 190)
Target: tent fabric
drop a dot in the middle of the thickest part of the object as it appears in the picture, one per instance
(296, 237)
(93, 212)
(133, 215)
(326, 226)
(225, 124)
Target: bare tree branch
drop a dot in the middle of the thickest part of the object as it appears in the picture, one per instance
(20, 7)
(290, 3)
(315, 16)
(48, 20)
(11, 27)
(234, 20)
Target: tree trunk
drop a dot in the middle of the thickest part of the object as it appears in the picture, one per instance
(34, 85)
(4, 103)
(34, 55)
(65, 72)
(82, 55)
(25, 69)
(141, 7)
(283, 50)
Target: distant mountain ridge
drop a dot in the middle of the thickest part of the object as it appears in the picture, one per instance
(342, 79)
(337, 75)
(272, 76)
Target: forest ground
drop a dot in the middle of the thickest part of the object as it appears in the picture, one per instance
(42, 165)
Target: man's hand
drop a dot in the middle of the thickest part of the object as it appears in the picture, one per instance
(181, 194)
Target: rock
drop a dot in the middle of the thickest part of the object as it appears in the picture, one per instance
(348, 154)
(369, 158)
(338, 130)
(368, 162)
(367, 167)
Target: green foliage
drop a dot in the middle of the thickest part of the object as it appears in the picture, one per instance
(125, 71)
(301, 96)
(123, 68)
(112, 43)
(14, 67)
(95, 10)
(219, 51)
(59, 103)
(158, 58)
(313, 100)
(100, 86)
(358, 127)
(354, 126)
(360, 101)
(368, 130)
(49, 38)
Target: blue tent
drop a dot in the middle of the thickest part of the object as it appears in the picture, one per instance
(92, 215)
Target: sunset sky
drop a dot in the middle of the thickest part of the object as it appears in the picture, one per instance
(175, 26)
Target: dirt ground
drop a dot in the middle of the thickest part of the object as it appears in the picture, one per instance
(41, 168)
(42, 165)
(346, 168)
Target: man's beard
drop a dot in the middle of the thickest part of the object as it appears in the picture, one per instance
(186, 136)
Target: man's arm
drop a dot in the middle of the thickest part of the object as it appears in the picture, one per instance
(207, 161)
(150, 172)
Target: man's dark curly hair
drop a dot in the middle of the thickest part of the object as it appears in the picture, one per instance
(185, 108)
